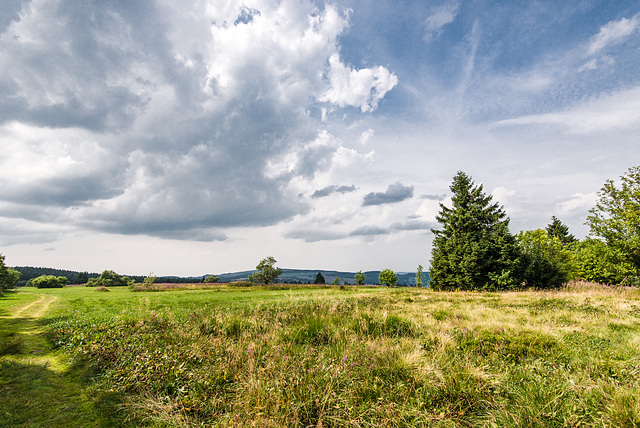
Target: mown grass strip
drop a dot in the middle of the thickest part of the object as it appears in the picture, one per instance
(40, 386)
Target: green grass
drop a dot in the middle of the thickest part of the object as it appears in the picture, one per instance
(326, 356)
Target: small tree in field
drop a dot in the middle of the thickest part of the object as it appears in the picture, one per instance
(8, 277)
(419, 276)
(360, 277)
(267, 272)
(388, 278)
(149, 280)
(336, 281)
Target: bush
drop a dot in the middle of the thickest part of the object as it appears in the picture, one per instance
(8, 277)
(241, 284)
(545, 261)
(595, 261)
(109, 278)
(48, 281)
(388, 277)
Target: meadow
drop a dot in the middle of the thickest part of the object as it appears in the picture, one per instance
(300, 356)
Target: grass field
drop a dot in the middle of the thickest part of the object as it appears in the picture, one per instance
(300, 356)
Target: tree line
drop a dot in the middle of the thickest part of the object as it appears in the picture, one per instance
(474, 250)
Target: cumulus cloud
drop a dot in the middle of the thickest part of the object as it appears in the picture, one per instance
(394, 193)
(613, 33)
(362, 88)
(502, 194)
(580, 202)
(366, 136)
(326, 191)
(169, 118)
(439, 18)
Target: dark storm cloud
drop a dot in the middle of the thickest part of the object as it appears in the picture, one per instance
(156, 118)
(62, 191)
(321, 193)
(394, 193)
(10, 12)
(75, 68)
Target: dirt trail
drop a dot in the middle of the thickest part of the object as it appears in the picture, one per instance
(25, 322)
(38, 384)
(35, 309)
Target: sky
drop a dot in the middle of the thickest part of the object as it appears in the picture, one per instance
(185, 137)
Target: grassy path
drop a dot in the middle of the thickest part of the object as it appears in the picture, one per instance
(39, 386)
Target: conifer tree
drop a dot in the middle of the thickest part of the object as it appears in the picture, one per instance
(474, 249)
(559, 230)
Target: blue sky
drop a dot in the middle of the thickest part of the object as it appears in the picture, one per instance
(192, 137)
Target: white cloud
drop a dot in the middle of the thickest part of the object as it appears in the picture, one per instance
(366, 135)
(615, 111)
(612, 33)
(502, 195)
(581, 202)
(429, 209)
(439, 18)
(362, 88)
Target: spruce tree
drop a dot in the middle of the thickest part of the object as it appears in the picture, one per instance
(474, 249)
(560, 230)
(319, 279)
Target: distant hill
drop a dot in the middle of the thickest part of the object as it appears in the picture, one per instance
(30, 272)
(295, 276)
(306, 276)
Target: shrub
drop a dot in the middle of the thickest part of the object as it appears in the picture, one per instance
(48, 281)
(211, 279)
(109, 278)
(546, 262)
(8, 277)
(241, 284)
(595, 261)
(388, 277)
